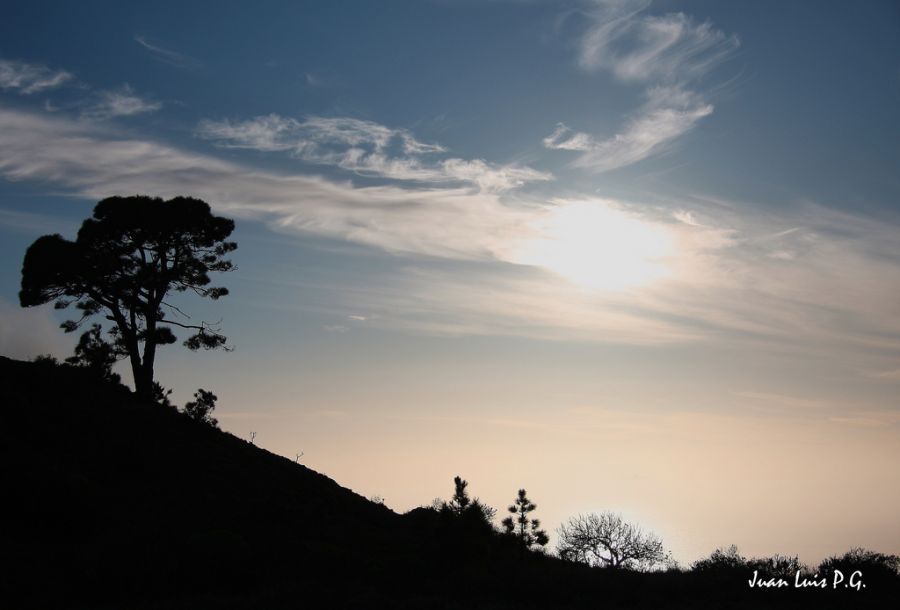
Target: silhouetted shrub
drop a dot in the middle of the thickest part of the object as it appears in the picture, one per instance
(474, 512)
(98, 355)
(725, 562)
(45, 360)
(200, 409)
(161, 395)
(875, 567)
(777, 566)
(484, 511)
(721, 560)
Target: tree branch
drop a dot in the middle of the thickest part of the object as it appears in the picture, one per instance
(204, 326)
(169, 305)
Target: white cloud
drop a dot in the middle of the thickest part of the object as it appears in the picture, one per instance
(668, 114)
(314, 81)
(639, 47)
(263, 133)
(564, 138)
(496, 299)
(276, 133)
(666, 52)
(30, 78)
(452, 222)
(838, 295)
(120, 102)
(686, 217)
(173, 58)
(365, 148)
(414, 147)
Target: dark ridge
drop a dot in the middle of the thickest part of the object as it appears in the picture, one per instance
(115, 503)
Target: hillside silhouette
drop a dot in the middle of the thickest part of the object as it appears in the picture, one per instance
(118, 502)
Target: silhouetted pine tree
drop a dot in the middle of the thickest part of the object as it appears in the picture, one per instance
(527, 530)
(128, 258)
(460, 500)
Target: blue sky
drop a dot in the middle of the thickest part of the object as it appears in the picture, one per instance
(595, 227)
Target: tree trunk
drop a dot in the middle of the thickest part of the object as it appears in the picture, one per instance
(143, 380)
(149, 353)
(143, 384)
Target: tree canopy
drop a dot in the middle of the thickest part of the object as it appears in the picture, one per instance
(608, 540)
(126, 260)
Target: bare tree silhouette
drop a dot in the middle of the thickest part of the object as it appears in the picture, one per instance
(608, 540)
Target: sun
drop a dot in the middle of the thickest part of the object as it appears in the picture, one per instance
(598, 246)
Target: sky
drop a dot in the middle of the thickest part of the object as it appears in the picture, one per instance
(632, 256)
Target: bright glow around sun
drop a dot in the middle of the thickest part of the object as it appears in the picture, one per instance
(598, 246)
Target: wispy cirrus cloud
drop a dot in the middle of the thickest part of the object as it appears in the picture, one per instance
(118, 103)
(666, 52)
(485, 262)
(634, 46)
(365, 148)
(454, 221)
(27, 78)
(276, 133)
(668, 114)
(168, 56)
(314, 80)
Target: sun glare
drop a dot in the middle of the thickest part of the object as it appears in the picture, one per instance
(598, 247)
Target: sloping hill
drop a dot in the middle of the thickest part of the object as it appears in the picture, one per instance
(115, 501)
(121, 499)
(112, 503)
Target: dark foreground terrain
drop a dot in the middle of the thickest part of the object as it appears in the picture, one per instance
(112, 503)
